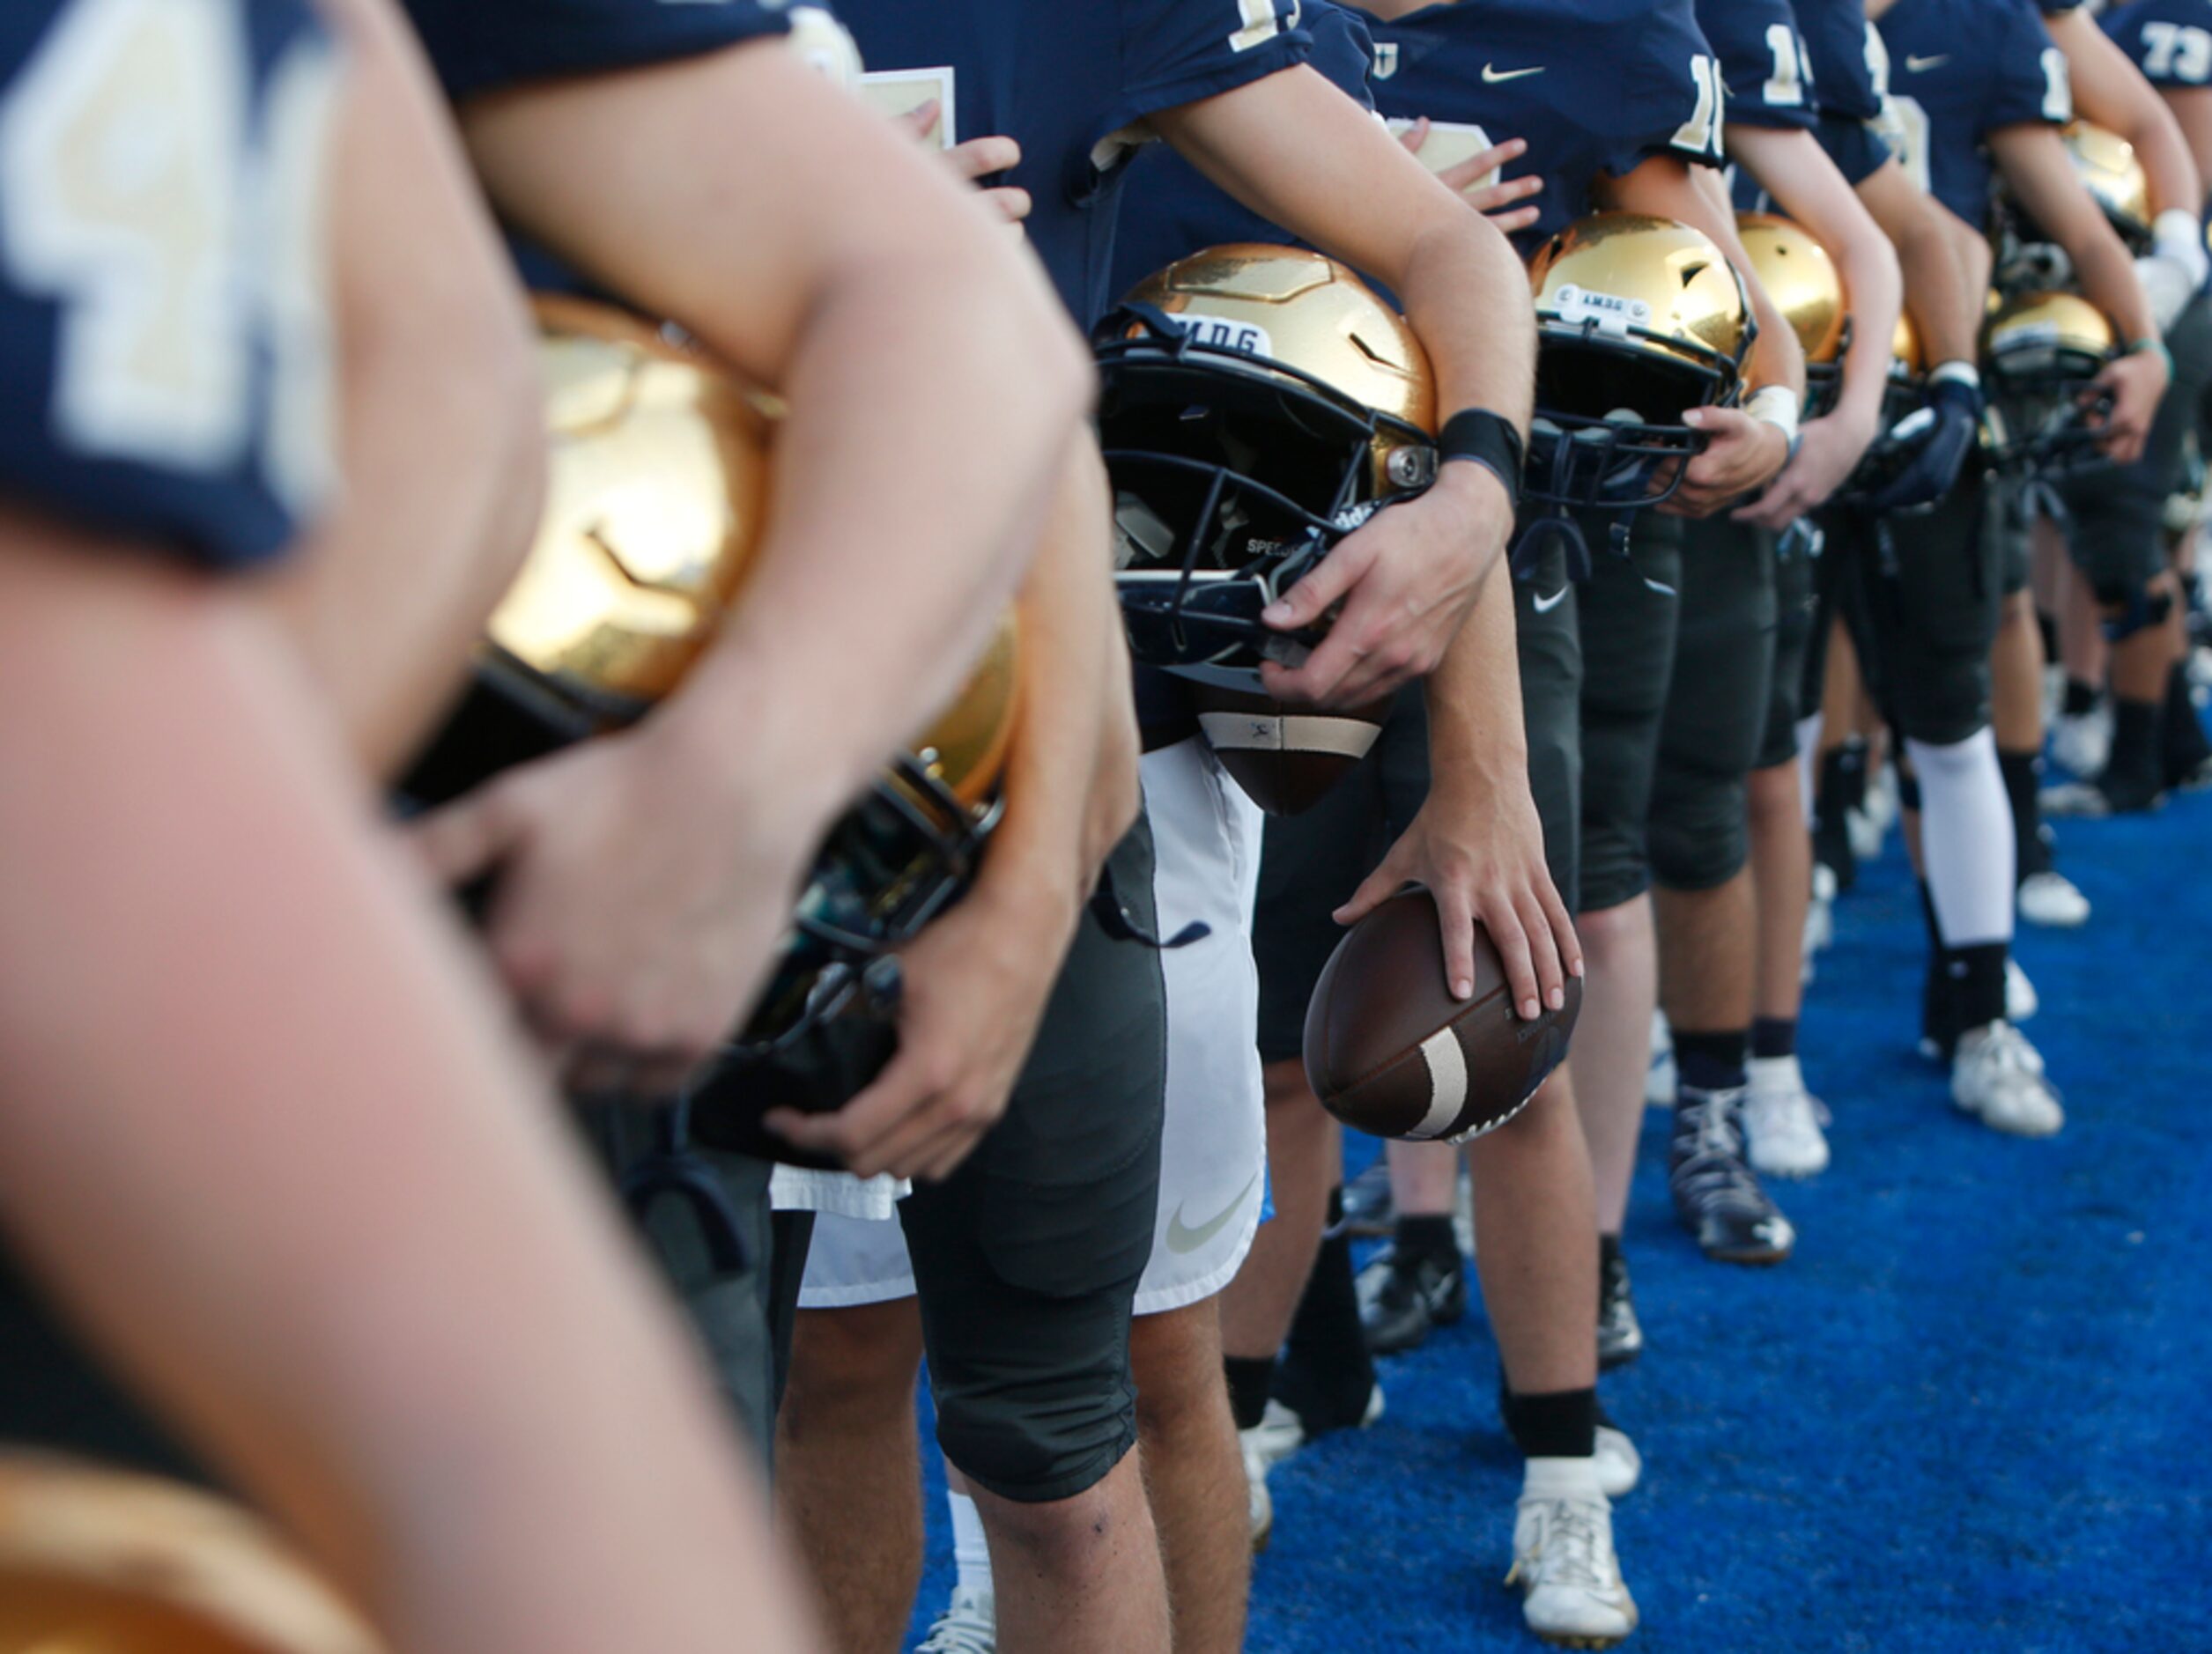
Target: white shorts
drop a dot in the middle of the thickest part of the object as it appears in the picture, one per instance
(1213, 1156)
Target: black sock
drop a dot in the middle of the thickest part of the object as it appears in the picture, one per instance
(2080, 700)
(1977, 977)
(1559, 1424)
(1420, 1236)
(2020, 772)
(2047, 624)
(1711, 1061)
(1326, 1374)
(2132, 772)
(1774, 1037)
(2186, 746)
(1251, 1377)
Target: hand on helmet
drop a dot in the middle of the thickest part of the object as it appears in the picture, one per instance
(1940, 434)
(2136, 382)
(1829, 453)
(978, 158)
(1741, 453)
(1479, 849)
(976, 982)
(639, 897)
(1494, 199)
(1406, 580)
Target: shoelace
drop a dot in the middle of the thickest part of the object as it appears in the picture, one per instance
(965, 1627)
(1709, 1169)
(1570, 1546)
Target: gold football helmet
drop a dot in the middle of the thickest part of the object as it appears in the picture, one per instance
(1638, 319)
(100, 1562)
(2040, 352)
(1258, 403)
(1805, 285)
(656, 495)
(2105, 162)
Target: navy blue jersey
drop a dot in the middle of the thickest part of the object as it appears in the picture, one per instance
(1596, 86)
(1073, 85)
(1856, 148)
(2170, 40)
(483, 45)
(1169, 210)
(1764, 61)
(1959, 69)
(164, 333)
(1835, 32)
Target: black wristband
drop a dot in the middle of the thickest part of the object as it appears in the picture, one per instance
(1487, 438)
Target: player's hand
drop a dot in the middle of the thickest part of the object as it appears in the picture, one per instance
(1941, 432)
(2136, 382)
(1831, 448)
(1406, 579)
(1741, 453)
(979, 158)
(639, 894)
(1495, 200)
(1479, 849)
(976, 984)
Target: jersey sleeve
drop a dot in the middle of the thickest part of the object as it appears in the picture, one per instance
(1856, 147)
(2170, 40)
(165, 345)
(1667, 94)
(481, 46)
(1175, 52)
(1765, 65)
(2027, 79)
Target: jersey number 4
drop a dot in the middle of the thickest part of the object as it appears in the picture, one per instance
(186, 250)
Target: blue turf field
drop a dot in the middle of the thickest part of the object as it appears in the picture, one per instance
(1970, 1414)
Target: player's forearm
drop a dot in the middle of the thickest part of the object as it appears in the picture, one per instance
(1940, 291)
(1070, 775)
(258, 1138)
(1477, 740)
(1467, 296)
(2109, 281)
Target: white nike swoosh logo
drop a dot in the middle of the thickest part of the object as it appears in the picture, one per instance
(1182, 1238)
(1545, 605)
(1492, 77)
(1917, 64)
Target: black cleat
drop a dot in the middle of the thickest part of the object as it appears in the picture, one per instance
(1403, 1302)
(1620, 1335)
(1717, 1195)
(1368, 1210)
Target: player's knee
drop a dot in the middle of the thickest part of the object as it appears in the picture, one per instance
(1946, 701)
(1700, 834)
(2133, 606)
(1039, 1441)
(853, 1366)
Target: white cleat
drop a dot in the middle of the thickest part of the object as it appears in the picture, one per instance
(1619, 1465)
(1783, 1120)
(2083, 741)
(1258, 1503)
(2052, 900)
(1865, 833)
(1564, 1564)
(1659, 1079)
(1820, 914)
(1998, 1078)
(969, 1625)
(2022, 1001)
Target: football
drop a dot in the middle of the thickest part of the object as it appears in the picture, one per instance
(1390, 1052)
(1285, 757)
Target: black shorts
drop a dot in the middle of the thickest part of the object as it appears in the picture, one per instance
(2118, 535)
(1628, 613)
(1026, 1259)
(1717, 705)
(1921, 596)
(2012, 514)
(1547, 645)
(1310, 864)
(1796, 607)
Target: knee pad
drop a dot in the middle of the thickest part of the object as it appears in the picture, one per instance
(2132, 609)
(1700, 828)
(1035, 1448)
(1940, 696)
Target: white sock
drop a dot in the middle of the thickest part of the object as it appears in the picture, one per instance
(971, 1553)
(1966, 843)
(1807, 758)
(1561, 1479)
(1776, 1073)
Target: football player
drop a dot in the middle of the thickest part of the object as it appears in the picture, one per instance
(394, 1313)
(1974, 90)
(1718, 704)
(2117, 532)
(1228, 86)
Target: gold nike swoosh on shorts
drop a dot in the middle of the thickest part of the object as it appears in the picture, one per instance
(1183, 1238)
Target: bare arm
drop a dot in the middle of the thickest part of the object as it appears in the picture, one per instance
(1945, 304)
(1296, 150)
(256, 1136)
(978, 979)
(2192, 107)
